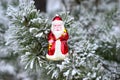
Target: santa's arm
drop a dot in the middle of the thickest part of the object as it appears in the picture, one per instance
(51, 38)
(64, 36)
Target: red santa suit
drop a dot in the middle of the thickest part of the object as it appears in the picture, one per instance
(57, 38)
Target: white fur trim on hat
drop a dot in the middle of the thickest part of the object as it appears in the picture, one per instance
(57, 22)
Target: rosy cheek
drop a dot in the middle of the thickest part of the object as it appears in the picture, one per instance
(55, 28)
(60, 28)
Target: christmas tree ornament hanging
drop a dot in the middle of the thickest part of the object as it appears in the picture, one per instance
(57, 40)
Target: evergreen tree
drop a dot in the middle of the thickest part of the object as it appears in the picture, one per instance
(6, 67)
(10, 68)
(92, 43)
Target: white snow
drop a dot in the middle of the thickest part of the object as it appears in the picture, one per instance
(33, 30)
(6, 67)
(39, 35)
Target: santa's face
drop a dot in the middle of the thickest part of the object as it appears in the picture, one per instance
(57, 27)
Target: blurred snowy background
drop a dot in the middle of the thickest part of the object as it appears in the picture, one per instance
(96, 23)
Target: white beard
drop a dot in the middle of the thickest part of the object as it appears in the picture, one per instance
(57, 34)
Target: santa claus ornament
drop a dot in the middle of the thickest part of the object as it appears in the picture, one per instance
(57, 39)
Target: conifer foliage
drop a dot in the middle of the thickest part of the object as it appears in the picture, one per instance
(86, 44)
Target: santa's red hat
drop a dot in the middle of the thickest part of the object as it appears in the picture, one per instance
(57, 19)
